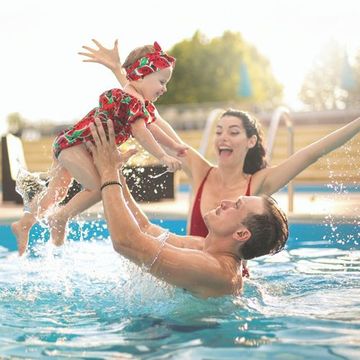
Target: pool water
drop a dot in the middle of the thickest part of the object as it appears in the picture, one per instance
(84, 301)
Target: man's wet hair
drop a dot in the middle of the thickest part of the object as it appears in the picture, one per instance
(269, 231)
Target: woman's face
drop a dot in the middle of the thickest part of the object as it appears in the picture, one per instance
(231, 141)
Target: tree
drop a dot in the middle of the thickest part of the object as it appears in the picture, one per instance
(209, 71)
(353, 98)
(332, 83)
(16, 123)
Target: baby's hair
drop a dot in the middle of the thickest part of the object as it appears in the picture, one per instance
(136, 54)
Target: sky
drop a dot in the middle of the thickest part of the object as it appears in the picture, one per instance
(43, 78)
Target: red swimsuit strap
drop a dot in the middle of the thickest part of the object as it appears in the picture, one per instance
(197, 224)
(248, 189)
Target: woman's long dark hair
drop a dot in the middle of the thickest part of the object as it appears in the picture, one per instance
(255, 157)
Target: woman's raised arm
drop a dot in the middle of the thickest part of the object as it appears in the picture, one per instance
(274, 178)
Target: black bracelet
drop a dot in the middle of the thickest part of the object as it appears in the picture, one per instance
(106, 183)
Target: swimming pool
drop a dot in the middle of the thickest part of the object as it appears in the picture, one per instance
(85, 301)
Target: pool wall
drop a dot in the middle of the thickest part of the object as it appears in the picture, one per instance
(344, 236)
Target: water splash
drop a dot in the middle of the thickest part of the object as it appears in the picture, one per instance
(29, 185)
(158, 175)
(162, 240)
(342, 185)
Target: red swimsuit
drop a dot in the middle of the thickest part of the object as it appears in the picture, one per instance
(197, 225)
(115, 104)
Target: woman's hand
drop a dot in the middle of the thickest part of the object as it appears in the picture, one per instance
(106, 156)
(107, 57)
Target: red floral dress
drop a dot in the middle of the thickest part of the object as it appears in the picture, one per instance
(115, 104)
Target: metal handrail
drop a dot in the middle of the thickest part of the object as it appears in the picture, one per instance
(282, 113)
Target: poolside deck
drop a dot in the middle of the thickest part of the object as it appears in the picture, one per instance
(340, 166)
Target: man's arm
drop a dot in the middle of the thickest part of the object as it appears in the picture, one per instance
(193, 270)
(189, 242)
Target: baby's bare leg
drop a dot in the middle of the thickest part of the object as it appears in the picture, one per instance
(79, 203)
(80, 165)
(56, 190)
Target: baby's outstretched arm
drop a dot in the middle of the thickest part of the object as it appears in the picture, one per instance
(164, 139)
(108, 57)
(147, 140)
(167, 128)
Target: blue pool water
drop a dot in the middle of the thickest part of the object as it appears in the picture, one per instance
(84, 301)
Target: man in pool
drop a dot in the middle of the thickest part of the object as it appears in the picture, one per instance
(207, 267)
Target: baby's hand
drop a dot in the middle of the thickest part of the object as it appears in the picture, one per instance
(181, 150)
(171, 163)
(107, 57)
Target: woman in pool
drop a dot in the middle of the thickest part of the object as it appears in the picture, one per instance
(241, 168)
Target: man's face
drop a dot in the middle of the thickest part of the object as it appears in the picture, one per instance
(227, 218)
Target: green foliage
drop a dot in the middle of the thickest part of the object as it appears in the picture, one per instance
(15, 122)
(209, 71)
(332, 83)
(353, 98)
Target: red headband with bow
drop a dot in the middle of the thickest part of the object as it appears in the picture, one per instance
(149, 63)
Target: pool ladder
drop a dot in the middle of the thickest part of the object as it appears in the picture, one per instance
(280, 113)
